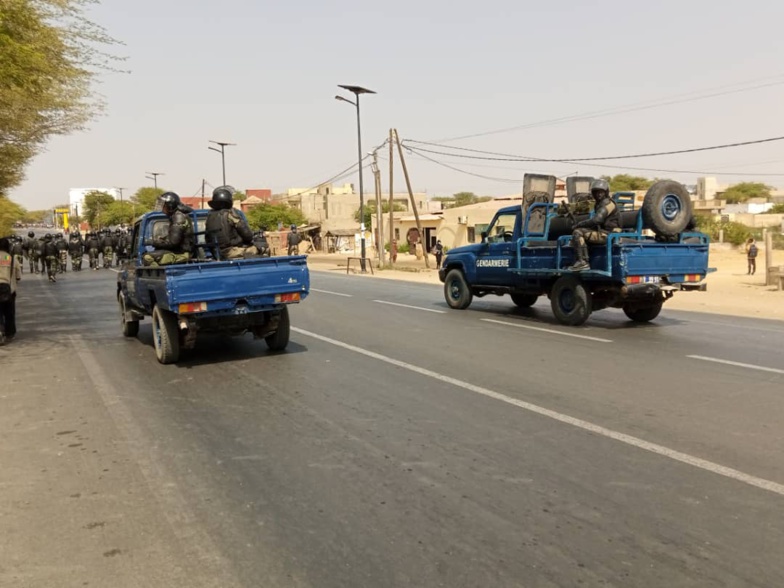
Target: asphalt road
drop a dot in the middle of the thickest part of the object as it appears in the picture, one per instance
(396, 443)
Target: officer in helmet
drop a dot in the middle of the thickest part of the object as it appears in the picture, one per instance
(227, 228)
(594, 230)
(31, 248)
(176, 245)
(51, 255)
(292, 240)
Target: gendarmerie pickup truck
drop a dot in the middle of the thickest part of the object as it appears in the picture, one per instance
(527, 250)
(206, 294)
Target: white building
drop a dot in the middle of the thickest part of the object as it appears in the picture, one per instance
(76, 197)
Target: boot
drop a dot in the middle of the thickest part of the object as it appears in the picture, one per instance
(581, 251)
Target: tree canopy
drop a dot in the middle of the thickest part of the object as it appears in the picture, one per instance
(96, 209)
(50, 55)
(269, 215)
(10, 212)
(627, 183)
(370, 210)
(745, 191)
(145, 198)
(461, 199)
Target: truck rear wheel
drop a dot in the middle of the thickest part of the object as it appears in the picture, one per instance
(524, 300)
(456, 291)
(280, 338)
(570, 301)
(642, 314)
(165, 335)
(129, 328)
(667, 208)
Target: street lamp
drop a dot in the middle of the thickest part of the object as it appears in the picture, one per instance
(223, 155)
(154, 177)
(357, 90)
(120, 190)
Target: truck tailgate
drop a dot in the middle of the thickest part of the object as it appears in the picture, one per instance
(678, 261)
(256, 281)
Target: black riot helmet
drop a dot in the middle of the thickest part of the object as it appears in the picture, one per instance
(47, 237)
(600, 189)
(222, 198)
(169, 202)
(30, 234)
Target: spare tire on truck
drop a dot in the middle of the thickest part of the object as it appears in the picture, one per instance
(667, 208)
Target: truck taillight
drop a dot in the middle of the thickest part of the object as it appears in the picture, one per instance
(290, 297)
(190, 307)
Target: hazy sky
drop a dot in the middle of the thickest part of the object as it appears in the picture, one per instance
(263, 74)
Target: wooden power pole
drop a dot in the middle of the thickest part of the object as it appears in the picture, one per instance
(411, 197)
(391, 193)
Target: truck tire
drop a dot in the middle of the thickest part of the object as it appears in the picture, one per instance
(570, 301)
(280, 338)
(129, 328)
(165, 335)
(667, 208)
(524, 300)
(642, 314)
(456, 291)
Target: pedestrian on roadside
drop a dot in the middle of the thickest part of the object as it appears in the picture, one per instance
(393, 251)
(438, 251)
(292, 240)
(10, 274)
(751, 256)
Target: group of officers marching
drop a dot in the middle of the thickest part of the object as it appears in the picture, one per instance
(49, 254)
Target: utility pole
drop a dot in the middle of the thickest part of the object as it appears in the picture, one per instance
(154, 177)
(120, 190)
(391, 193)
(379, 216)
(411, 197)
(202, 192)
(222, 151)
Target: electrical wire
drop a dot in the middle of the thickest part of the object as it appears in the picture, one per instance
(633, 107)
(507, 157)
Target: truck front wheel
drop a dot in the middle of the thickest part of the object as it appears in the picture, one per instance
(456, 291)
(165, 335)
(570, 300)
(280, 338)
(642, 314)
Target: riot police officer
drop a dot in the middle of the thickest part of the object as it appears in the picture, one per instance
(594, 230)
(227, 228)
(51, 254)
(93, 246)
(176, 245)
(76, 250)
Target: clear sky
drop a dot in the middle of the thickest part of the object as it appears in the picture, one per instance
(263, 74)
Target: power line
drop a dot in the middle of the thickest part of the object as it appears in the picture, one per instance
(462, 171)
(634, 107)
(631, 168)
(508, 157)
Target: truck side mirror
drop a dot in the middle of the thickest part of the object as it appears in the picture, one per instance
(484, 236)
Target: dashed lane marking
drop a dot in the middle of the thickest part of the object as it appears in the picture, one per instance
(737, 364)
(329, 292)
(552, 331)
(672, 454)
(409, 306)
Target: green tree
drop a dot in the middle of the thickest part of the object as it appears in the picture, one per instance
(117, 213)
(777, 209)
(145, 198)
(269, 215)
(239, 195)
(50, 55)
(627, 183)
(10, 212)
(744, 191)
(96, 205)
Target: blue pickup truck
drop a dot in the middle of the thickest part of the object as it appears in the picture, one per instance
(527, 249)
(207, 294)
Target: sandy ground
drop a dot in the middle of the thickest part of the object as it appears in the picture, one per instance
(730, 290)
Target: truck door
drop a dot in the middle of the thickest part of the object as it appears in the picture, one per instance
(495, 257)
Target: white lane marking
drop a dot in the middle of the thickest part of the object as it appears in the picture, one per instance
(409, 306)
(553, 331)
(329, 292)
(737, 363)
(673, 454)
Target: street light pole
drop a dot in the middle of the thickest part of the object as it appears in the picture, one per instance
(223, 155)
(154, 177)
(357, 90)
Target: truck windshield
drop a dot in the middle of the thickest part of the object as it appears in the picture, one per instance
(502, 229)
